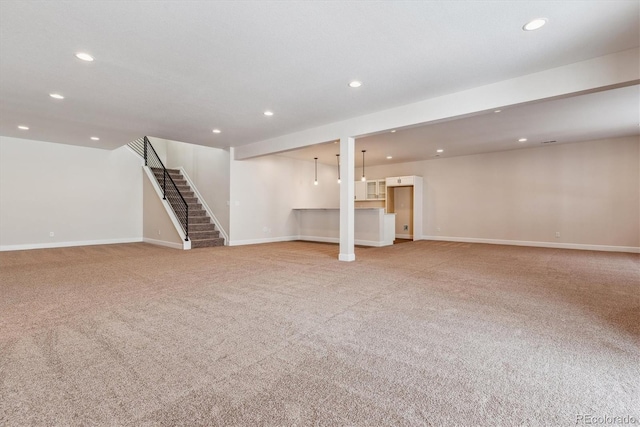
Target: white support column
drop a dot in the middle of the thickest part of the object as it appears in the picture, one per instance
(347, 196)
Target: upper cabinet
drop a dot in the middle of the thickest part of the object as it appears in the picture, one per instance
(382, 189)
(400, 181)
(375, 189)
(372, 190)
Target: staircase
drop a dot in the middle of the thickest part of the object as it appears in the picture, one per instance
(202, 232)
(198, 227)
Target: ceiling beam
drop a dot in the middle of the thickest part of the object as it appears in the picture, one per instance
(605, 72)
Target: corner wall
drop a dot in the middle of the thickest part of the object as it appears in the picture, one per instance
(83, 195)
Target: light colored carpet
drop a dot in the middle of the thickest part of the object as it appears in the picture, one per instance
(422, 333)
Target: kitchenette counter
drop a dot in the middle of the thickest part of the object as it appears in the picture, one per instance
(373, 227)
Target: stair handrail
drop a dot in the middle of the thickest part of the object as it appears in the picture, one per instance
(151, 156)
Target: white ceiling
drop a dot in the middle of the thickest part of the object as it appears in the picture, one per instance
(611, 113)
(176, 70)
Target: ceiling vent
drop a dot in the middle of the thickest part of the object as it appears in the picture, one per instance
(549, 142)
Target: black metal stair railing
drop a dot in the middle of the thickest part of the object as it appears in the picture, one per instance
(168, 186)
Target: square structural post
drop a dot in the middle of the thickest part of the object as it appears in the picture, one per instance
(347, 197)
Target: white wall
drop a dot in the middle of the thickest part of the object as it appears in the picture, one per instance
(208, 168)
(265, 190)
(587, 191)
(324, 195)
(157, 227)
(83, 195)
(261, 200)
(160, 146)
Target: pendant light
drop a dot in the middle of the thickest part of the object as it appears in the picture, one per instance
(338, 159)
(315, 182)
(363, 177)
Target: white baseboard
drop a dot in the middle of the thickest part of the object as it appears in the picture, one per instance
(68, 244)
(304, 238)
(556, 245)
(173, 245)
(337, 240)
(265, 240)
(319, 239)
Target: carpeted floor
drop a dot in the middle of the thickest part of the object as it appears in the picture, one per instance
(422, 333)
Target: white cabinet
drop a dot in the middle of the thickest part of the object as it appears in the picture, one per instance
(400, 181)
(372, 190)
(382, 189)
(375, 189)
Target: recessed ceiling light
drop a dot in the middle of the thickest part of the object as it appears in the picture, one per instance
(439, 150)
(522, 140)
(389, 157)
(355, 83)
(268, 113)
(23, 127)
(497, 111)
(84, 56)
(217, 131)
(534, 24)
(95, 138)
(56, 96)
(393, 131)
